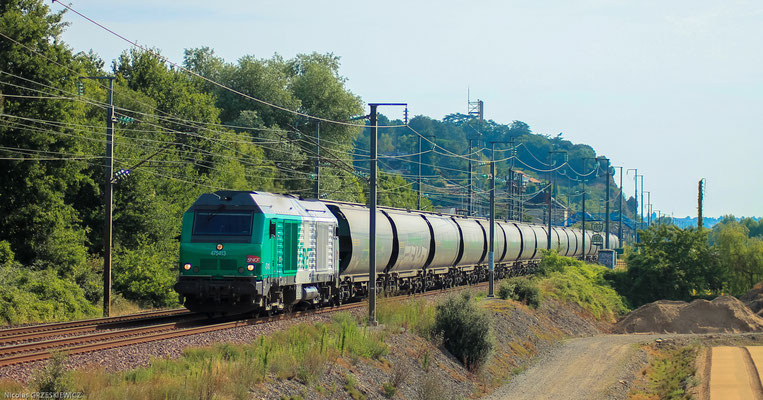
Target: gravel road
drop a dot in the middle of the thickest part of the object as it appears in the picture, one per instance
(598, 367)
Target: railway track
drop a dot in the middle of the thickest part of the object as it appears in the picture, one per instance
(41, 350)
(7, 335)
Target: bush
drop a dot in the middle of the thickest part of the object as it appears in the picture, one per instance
(520, 289)
(465, 330)
(584, 284)
(506, 290)
(553, 262)
(146, 275)
(38, 296)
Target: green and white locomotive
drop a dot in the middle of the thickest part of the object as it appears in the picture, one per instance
(245, 251)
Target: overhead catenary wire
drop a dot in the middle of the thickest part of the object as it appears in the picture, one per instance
(402, 157)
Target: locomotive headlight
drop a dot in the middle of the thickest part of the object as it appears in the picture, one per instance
(250, 267)
(187, 267)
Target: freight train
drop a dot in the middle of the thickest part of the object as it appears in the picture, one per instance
(246, 251)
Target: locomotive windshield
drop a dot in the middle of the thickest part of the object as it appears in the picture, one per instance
(222, 223)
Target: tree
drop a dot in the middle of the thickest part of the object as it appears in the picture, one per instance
(740, 255)
(395, 191)
(36, 213)
(672, 264)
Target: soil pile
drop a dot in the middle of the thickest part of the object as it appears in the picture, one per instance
(754, 299)
(723, 314)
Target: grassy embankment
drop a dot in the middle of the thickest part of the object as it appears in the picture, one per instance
(306, 352)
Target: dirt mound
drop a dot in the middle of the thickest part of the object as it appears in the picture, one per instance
(723, 314)
(754, 298)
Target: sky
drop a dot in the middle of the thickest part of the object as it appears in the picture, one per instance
(671, 87)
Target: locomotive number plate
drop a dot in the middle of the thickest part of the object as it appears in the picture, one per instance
(218, 253)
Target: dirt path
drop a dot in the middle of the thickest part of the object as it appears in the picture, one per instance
(598, 367)
(733, 373)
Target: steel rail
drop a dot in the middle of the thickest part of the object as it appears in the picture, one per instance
(94, 321)
(41, 334)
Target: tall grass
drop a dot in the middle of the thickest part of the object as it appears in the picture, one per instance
(228, 371)
(413, 315)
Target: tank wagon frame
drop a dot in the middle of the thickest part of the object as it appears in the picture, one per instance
(254, 251)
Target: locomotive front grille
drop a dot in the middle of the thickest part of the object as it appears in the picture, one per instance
(228, 264)
(208, 264)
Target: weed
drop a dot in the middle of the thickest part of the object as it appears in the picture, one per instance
(670, 373)
(430, 388)
(389, 390)
(506, 290)
(399, 374)
(425, 361)
(231, 371)
(54, 378)
(311, 367)
(228, 352)
(350, 388)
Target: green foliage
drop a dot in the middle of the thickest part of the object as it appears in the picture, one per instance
(739, 252)
(451, 134)
(146, 275)
(522, 289)
(34, 296)
(572, 280)
(37, 215)
(395, 191)
(54, 378)
(672, 264)
(465, 330)
(6, 254)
